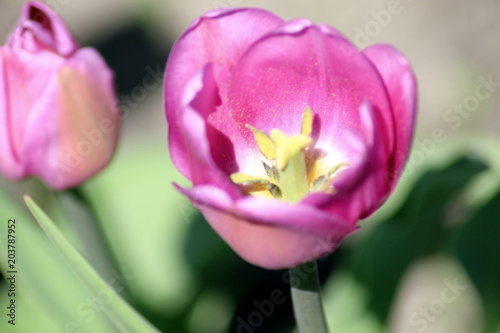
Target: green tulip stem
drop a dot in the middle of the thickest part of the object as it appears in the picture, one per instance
(306, 299)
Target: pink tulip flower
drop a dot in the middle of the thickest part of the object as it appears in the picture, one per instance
(58, 111)
(289, 134)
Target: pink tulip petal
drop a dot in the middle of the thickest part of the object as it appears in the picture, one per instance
(303, 232)
(9, 163)
(218, 37)
(65, 148)
(363, 200)
(401, 84)
(267, 246)
(195, 130)
(359, 167)
(303, 218)
(30, 59)
(40, 28)
(27, 78)
(301, 65)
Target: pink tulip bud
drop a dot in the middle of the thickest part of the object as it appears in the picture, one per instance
(58, 112)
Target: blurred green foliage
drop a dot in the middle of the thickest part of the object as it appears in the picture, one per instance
(416, 230)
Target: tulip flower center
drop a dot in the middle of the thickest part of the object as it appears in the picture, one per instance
(292, 164)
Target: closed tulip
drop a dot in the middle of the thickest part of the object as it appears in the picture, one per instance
(58, 108)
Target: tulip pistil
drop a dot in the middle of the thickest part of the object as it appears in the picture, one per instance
(290, 163)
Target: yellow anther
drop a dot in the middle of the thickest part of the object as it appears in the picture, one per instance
(288, 147)
(242, 178)
(264, 142)
(307, 122)
(250, 183)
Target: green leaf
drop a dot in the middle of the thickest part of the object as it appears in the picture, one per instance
(118, 311)
(476, 245)
(48, 293)
(417, 229)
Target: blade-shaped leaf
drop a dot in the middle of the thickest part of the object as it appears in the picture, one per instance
(47, 292)
(120, 312)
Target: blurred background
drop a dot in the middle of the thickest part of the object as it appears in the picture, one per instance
(428, 261)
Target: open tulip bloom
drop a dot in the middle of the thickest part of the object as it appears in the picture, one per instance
(289, 134)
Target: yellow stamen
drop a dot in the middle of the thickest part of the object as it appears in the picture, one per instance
(324, 182)
(307, 122)
(287, 147)
(250, 183)
(242, 178)
(291, 167)
(264, 142)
